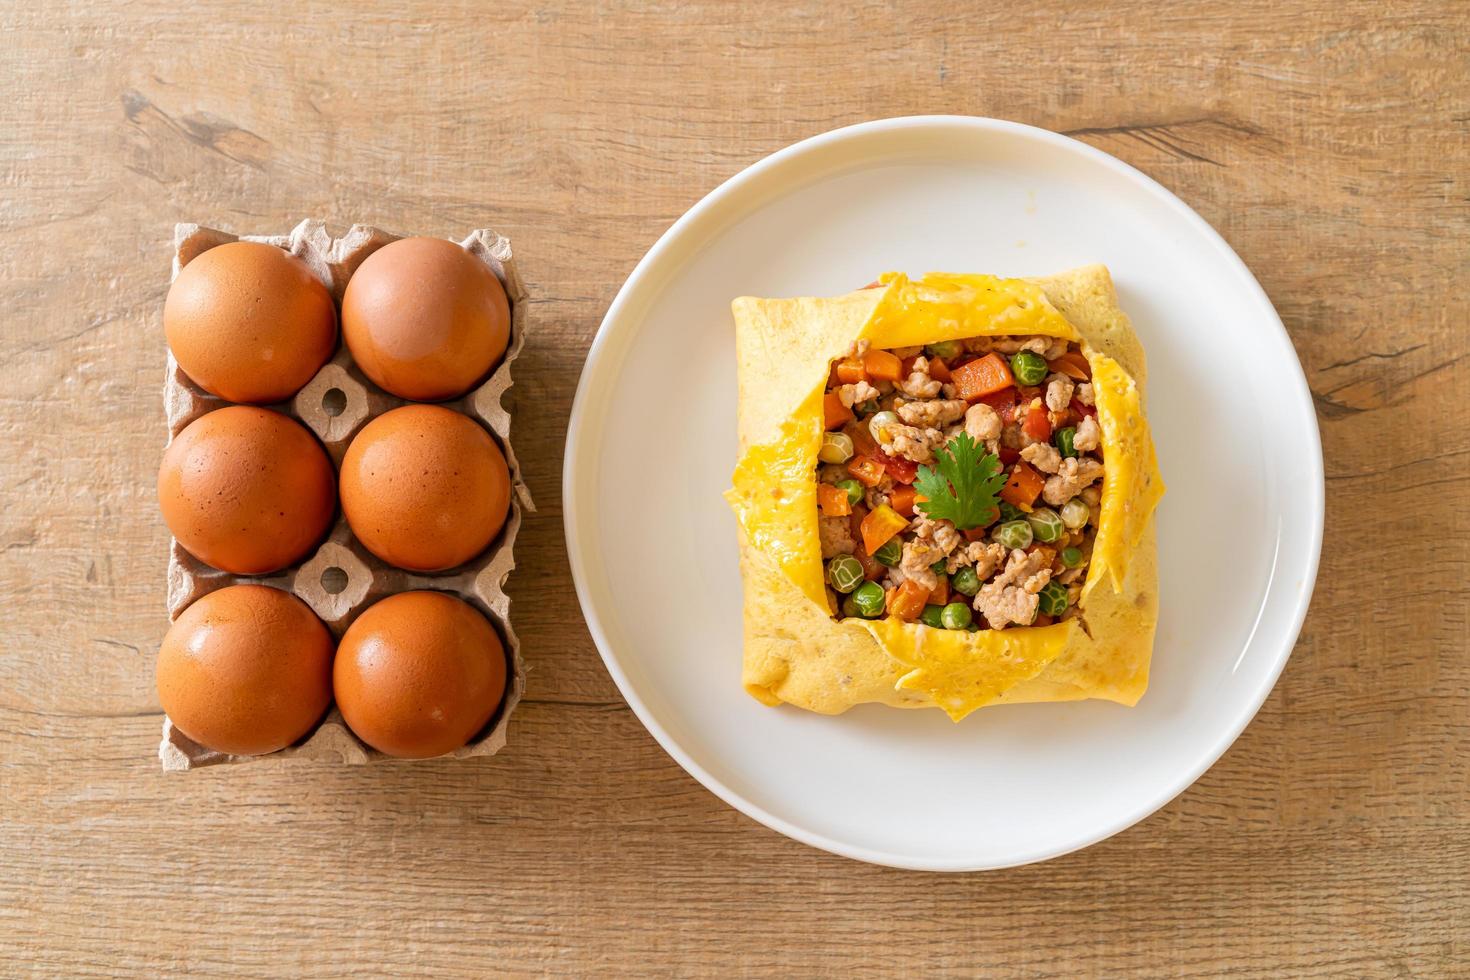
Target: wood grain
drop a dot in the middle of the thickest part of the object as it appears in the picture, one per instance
(1326, 140)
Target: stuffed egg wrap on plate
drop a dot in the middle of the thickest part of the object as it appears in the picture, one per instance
(945, 495)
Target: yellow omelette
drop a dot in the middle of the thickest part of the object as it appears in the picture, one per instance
(796, 652)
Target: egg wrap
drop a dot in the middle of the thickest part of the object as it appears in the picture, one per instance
(796, 652)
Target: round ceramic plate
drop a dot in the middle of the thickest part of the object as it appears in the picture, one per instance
(651, 447)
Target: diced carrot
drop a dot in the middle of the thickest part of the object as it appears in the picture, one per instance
(939, 371)
(1037, 425)
(850, 371)
(863, 442)
(866, 470)
(907, 602)
(873, 569)
(833, 500)
(1023, 486)
(836, 414)
(902, 469)
(881, 524)
(881, 366)
(975, 534)
(939, 595)
(1073, 365)
(983, 376)
(832, 379)
(855, 520)
(902, 500)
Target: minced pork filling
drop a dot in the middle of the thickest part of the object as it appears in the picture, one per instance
(958, 484)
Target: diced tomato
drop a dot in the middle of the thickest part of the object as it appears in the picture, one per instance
(939, 595)
(881, 366)
(863, 442)
(1009, 455)
(832, 379)
(873, 569)
(855, 520)
(833, 501)
(1036, 424)
(850, 371)
(1004, 403)
(1078, 409)
(866, 470)
(983, 376)
(975, 534)
(836, 414)
(939, 371)
(1073, 365)
(1042, 619)
(906, 366)
(1023, 486)
(902, 500)
(1024, 393)
(902, 470)
(873, 285)
(907, 602)
(881, 524)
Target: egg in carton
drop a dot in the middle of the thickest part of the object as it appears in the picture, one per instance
(342, 578)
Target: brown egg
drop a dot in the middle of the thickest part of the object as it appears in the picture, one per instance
(246, 489)
(425, 488)
(425, 319)
(249, 322)
(419, 674)
(246, 670)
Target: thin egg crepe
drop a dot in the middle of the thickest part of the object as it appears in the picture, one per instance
(796, 651)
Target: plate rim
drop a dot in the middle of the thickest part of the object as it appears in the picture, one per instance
(572, 505)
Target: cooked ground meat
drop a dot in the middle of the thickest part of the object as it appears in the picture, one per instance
(1058, 392)
(1011, 596)
(918, 384)
(1075, 475)
(856, 394)
(1043, 456)
(932, 414)
(836, 535)
(1088, 435)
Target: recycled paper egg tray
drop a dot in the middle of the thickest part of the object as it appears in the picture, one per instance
(342, 578)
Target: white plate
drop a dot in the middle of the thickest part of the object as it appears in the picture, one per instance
(651, 446)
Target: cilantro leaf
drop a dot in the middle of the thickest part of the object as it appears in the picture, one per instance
(963, 485)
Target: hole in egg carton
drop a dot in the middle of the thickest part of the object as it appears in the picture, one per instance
(341, 578)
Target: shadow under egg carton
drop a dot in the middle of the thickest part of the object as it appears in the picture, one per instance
(342, 578)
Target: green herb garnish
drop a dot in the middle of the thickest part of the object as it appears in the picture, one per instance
(963, 484)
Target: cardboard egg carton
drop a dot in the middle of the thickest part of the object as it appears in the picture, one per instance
(342, 578)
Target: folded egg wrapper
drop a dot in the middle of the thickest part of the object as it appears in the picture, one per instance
(342, 578)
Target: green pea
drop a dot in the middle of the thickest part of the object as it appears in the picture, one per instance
(1075, 513)
(1013, 534)
(1029, 367)
(945, 349)
(1053, 599)
(836, 447)
(880, 422)
(973, 628)
(854, 490)
(1063, 440)
(1010, 512)
(844, 573)
(938, 567)
(1045, 524)
(955, 616)
(850, 608)
(965, 581)
(890, 553)
(932, 616)
(868, 599)
(1072, 557)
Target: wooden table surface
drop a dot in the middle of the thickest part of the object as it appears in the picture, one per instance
(1328, 141)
